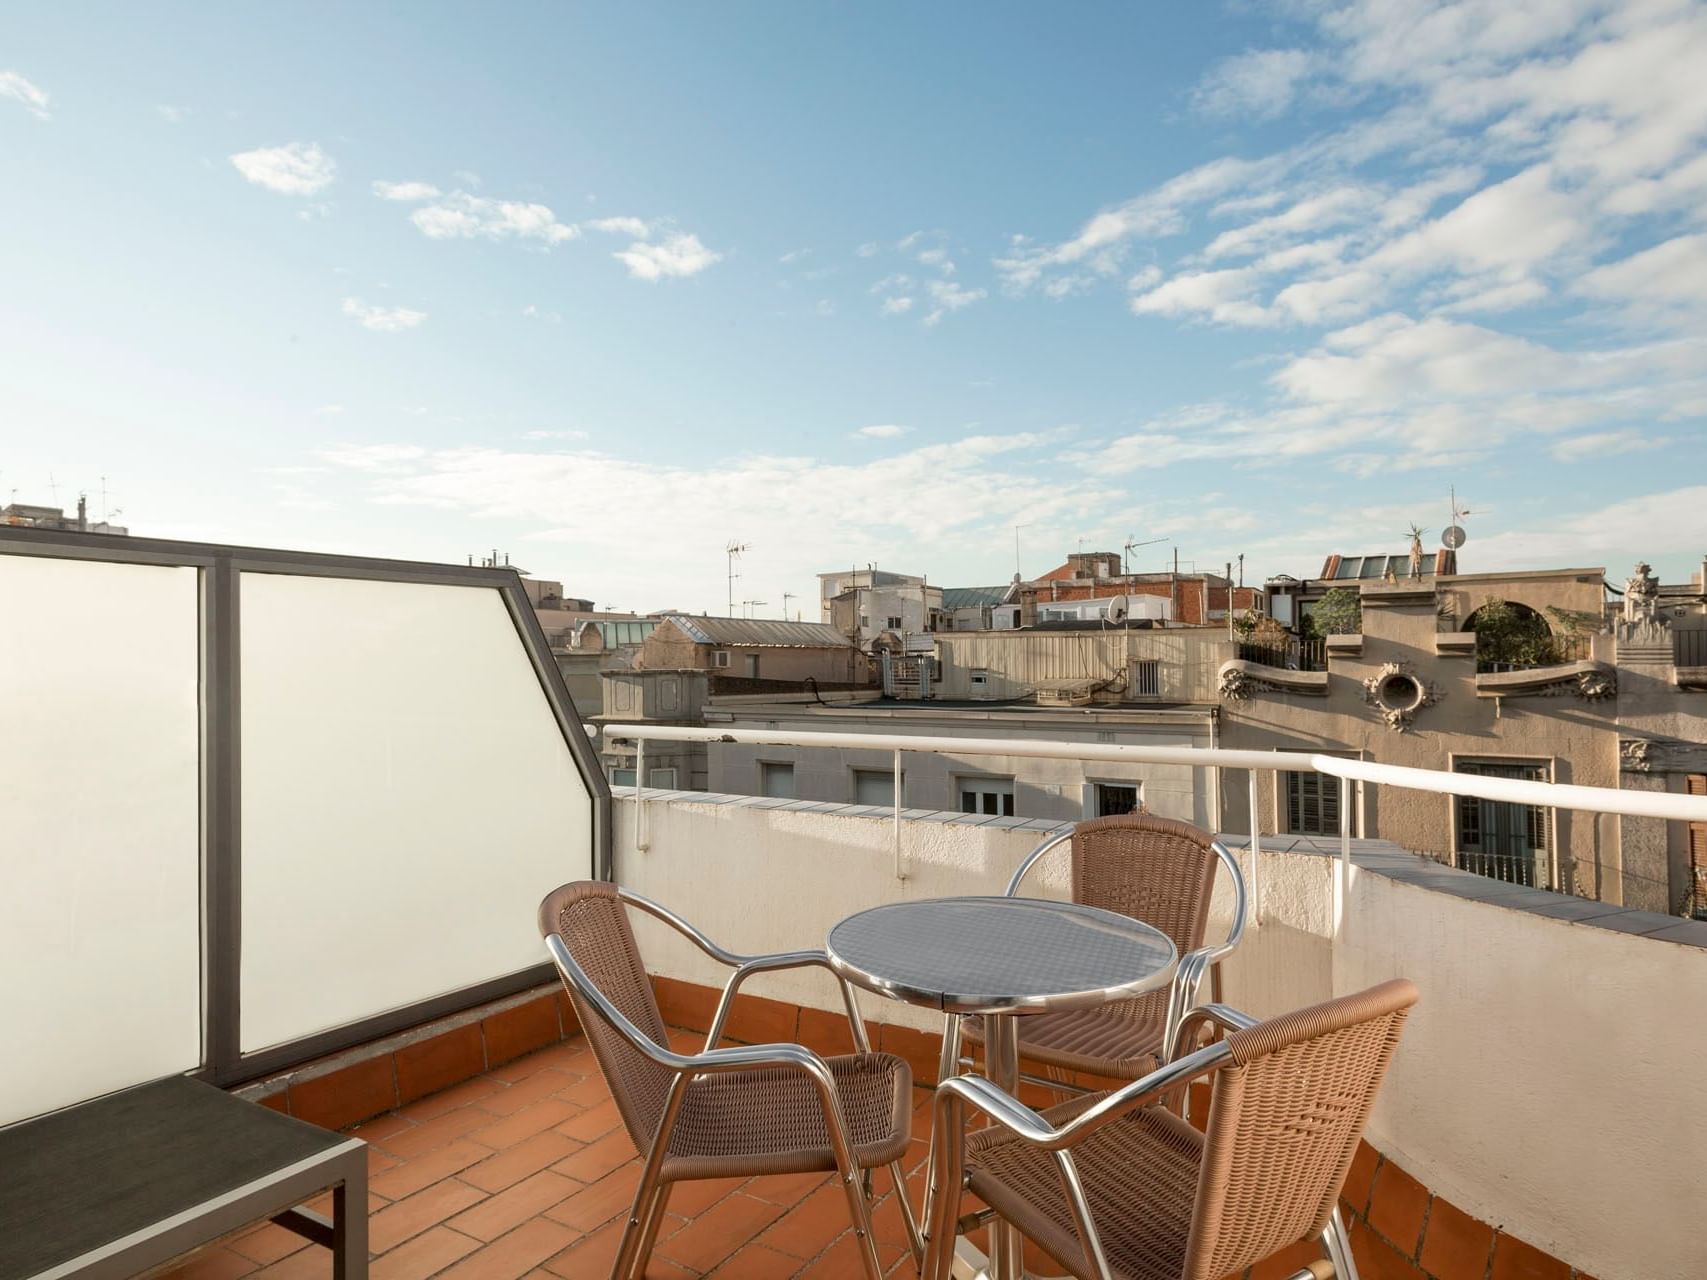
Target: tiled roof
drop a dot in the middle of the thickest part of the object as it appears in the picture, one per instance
(769, 632)
(973, 597)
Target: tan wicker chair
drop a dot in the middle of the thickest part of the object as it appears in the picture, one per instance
(736, 1112)
(1116, 1189)
(1156, 870)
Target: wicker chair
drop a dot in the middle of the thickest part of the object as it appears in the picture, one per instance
(1116, 1189)
(736, 1112)
(1161, 872)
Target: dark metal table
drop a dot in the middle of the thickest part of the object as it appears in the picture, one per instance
(116, 1186)
(996, 958)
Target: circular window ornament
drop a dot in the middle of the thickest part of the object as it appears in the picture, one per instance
(1397, 694)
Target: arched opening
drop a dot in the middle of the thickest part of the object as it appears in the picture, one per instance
(1511, 636)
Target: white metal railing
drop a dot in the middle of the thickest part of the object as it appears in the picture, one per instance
(1640, 804)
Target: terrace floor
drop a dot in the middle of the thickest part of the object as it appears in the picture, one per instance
(527, 1171)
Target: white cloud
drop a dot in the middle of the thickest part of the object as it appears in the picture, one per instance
(19, 90)
(1598, 444)
(955, 497)
(896, 306)
(883, 431)
(382, 319)
(171, 114)
(947, 296)
(634, 228)
(1223, 296)
(678, 255)
(461, 216)
(1260, 84)
(328, 410)
(1671, 275)
(295, 169)
(372, 457)
(533, 312)
(554, 435)
(410, 191)
(870, 249)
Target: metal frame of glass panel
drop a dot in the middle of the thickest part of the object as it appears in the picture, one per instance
(223, 1062)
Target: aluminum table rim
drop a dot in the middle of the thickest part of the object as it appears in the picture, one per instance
(990, 1003)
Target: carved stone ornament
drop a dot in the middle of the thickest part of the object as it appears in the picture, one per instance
(1636, 755)
(1641, 593)
(1397, 694)
(1595, 685)
(1241, 686)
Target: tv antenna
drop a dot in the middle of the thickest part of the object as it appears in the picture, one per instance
(1126, 551)
(733, 552)
(1017, 570)
(749, 605)
(1455, 535)
(786, 597)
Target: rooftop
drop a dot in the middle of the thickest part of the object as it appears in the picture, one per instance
(760, 632)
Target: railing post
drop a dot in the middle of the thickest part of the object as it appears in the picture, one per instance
(641, 841)
(900, 863)
(1256, 854)
(1342, 872)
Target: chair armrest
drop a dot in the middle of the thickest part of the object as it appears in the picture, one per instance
(1224, 1017)
(1025, 867)
(659, 911)
(786, 960)
(1031, 1128)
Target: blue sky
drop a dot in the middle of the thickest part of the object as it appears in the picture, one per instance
(607, 287)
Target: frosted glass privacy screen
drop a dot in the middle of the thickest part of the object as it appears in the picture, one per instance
(100, 829)
(408, 799)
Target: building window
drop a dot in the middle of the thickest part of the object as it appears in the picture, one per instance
(669, 695)
(1312, 804)
(622, 777)
(776, 780)
(876, 786)
(894, 622)
(1501, 840)
(980, 681)
(720, 658)
(987, 795)
(752, 666)
(1147, 679)
(663, 779)
(1109, 799)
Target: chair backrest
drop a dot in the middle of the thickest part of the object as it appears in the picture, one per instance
(593, 922)
(1285, 1118)
(1157, 870)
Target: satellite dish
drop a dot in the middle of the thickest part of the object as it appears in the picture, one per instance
(1118, 609)
(1453, 537)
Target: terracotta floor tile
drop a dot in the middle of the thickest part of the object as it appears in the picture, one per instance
(589, 1209)
(807, 1229)
(507, 1099)
(585, 1091)
(535, 1118)
(515, 1163)
(424, 1170)
(593, 1255)
(787, 1188)
(312, 1263)
(267, 1243)
(690, 1199)
(427, 1254)
(409, 1217)
(377, 1130)
(553, 1056)
(219, 1263)
(458, 1095)
(512, 1207)
(516, 1253)
(594, 1161)
(718, 1232)
(593, 1122)
(755, 1262)
(841, 1261)
(438, 1132)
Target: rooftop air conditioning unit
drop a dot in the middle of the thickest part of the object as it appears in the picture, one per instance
(1064, 693)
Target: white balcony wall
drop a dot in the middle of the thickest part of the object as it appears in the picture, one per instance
(407, 798)
(100, 841)
(1546, 1083)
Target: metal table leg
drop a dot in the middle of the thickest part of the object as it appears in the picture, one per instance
(1001, 1065)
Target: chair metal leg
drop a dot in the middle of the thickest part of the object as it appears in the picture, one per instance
(649, 1222)
(948, 1128)
(915, 1241)
(630, 1256)
(947, 1064)
(864, 1239)
(1338, 1246)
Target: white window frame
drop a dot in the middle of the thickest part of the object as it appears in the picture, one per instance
(886, 776)
(765, 768)
(994, 794)
(720, 658)
(662, 778)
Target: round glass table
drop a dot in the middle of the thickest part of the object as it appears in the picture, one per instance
(998, 958)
